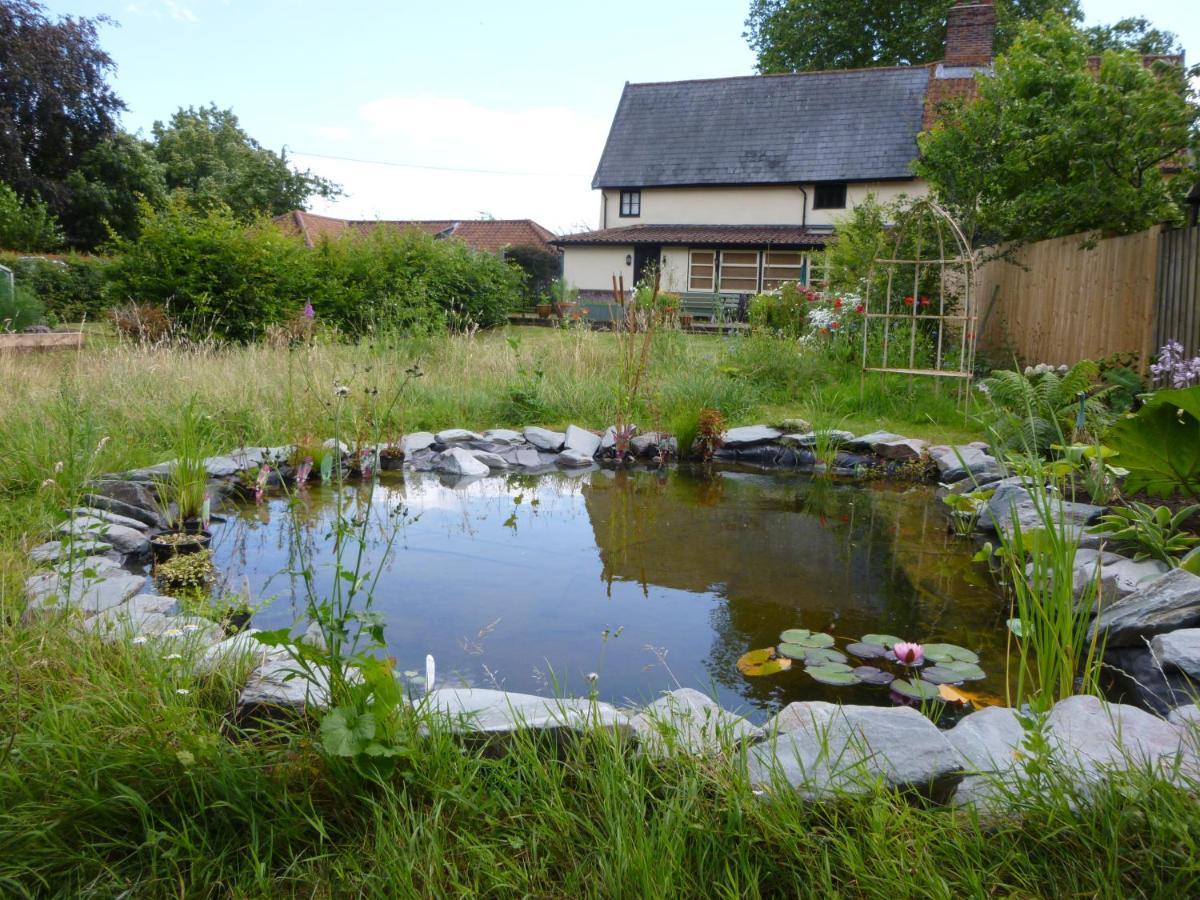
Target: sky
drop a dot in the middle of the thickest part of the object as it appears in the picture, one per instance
(442, 110)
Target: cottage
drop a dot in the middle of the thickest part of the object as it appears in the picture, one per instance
(485, 235)
(728, 184)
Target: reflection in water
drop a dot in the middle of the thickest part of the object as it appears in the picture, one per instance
(514, 582)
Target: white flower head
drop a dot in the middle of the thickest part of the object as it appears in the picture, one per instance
(171, 656)
(593, 677)
(140, 639)
(183, 691)
(340, 390)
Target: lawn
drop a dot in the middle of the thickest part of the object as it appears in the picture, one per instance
(113, 781)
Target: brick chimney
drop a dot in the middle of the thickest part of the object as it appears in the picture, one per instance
(970, 25)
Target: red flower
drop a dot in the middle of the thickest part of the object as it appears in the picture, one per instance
(824, 331)
(834, 325)
(924, 301)
(861, 308)
(837, 304)
(908, 301)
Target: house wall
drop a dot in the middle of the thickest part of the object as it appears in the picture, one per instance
(767, 205)
(592, 268)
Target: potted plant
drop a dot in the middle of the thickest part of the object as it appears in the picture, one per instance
(565, 298)
(544, 308)
(184, 493)
(392, 455)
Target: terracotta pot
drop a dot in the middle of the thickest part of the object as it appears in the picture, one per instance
(685, 320)
(544, 310)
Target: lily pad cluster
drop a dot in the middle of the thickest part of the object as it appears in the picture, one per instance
(924, 673)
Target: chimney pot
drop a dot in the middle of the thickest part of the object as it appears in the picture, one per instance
(970, 28)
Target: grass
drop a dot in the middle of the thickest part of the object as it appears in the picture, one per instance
(113, 782)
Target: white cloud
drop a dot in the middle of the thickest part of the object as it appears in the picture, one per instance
(160, 9)
(509, 163)
(332, 132)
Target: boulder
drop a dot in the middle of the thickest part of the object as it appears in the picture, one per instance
(1092, 737)
(133, 616)
(51, 591)
(479, 711)
(608, 440)
(525, 457)
(574, 459)
(772, 456)
(989, 743)
(130, 493)
(581, 441)
(1118, 576)
(418, 440)
(124, 540)
(1014, 500)
(965, 461)
(223, 466)
(238, 648)
(836, 437)
(1186, 716)
(278, 685)
(750, 436)
(459, 461)
(503, 436)
(687, 721)
(58, 551)
(490, 459)
(147, 516)
(455, 435)
(1168, 603)
(544, 439)
(822, 749)
(900, 449)
(1179, 649)
(108, 516)
(1135, 675)
(645, 445)
(868, 441)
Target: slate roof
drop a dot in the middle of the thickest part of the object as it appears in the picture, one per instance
(698, 235)
(489, 235)
(846, 125)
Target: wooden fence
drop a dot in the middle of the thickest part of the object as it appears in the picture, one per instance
(1179, 289)
(1056, 303)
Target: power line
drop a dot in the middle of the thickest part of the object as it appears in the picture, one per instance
(400, 165)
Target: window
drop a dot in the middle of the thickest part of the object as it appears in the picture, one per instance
(782, 265)
(739, 271)
(830, 196)
(701, 269)
(631, 203)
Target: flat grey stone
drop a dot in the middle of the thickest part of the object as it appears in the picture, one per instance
(608, 440)
(808, 439)
(150, 516)
(455, 435)
(503, 436)
(49, 591)
(1168, 603)
(581, 441)
(1113, 576)
(475, 710)
(989, 741)
(459, 461)
(1187, 716)
(824, 749)
(238, 648)
(1011, 500)
(958, 462)
(574, 459)
(133, 616)
(222, 466)
(525, 457)
(130, 493)
(687, 721)
(901, 449)
(868, 441)
(544, 439)
(109, 516)
(417, 441)
(57, 551)
(1091, 737)
(646, 444)
(750, 436)
(121, 538)
(278, 684)
(156, 472)
(1179, 649)
(491, 460)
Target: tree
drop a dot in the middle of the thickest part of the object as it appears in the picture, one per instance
(55, 102)
(26, 225)
(1052, 147)
(1134, 33)
(206, 153)
(805, 35)
(113, 178)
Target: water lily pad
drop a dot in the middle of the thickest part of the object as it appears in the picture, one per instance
(885, 640)
(762, 662)
(867, 651)
(872, 675)
(944, 653)
(915, 689)
(792, 651)
(969, 671)
(806, 638)
(835, 674)
(943, 675)
(1017, 627)
(818, 656)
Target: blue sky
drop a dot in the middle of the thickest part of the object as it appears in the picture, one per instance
(519, 93)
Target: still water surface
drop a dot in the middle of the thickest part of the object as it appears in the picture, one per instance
(514, 582)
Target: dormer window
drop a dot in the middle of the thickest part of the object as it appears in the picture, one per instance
(631, 204)
(831, 195)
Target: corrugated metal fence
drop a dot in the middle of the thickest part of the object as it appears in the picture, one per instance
(1179, 289)
(1057, 303)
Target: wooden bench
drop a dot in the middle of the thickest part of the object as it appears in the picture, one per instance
(714, 307)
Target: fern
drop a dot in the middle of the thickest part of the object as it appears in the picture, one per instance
(1031, 412)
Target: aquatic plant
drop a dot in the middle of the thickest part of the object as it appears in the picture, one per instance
(185, 570)
(1152, 532)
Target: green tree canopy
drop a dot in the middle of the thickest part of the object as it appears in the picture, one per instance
(55, 102)
(1135, 33)
(26, 225)
(113, 178)
(805, 35)
(207, 153)
(1052, 147)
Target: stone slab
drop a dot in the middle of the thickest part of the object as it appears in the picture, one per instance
(480, 711)
(545, 439)
(581, 441)
(687, 721)
(1166, 604)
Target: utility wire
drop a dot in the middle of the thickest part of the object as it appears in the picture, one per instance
(400, 165)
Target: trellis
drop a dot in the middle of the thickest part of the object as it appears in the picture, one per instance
(905, 310)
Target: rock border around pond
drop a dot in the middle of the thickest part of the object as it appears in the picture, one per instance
(818, 749)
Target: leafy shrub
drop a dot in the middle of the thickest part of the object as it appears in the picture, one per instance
(19, 307)
(71, 287)
(1160, 445)
(26, 225)
(540, 266)
(1032, 411)
(783, 311)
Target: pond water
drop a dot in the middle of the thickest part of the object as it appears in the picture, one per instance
(515, 582)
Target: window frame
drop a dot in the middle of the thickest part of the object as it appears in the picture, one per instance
(842, 186)
(634, 198)
(767, 266)
(723, 266)
(712, 264)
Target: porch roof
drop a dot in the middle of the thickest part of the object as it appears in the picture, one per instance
(781, 236)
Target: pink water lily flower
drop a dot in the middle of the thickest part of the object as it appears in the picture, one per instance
(909, 654)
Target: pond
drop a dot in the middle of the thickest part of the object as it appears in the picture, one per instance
(650, 580)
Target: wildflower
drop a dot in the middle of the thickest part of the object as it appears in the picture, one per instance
(837, 303)
(171, 656)
(182, 691)
(140, 639)
(909, 654)
(304, 471)
(834, 325)
(593, 677)
(908, 301)
(309, 312)
(260, 484)
(58, 467)
(924, 301)
(340, 390)
(49, 482)
(861, 308)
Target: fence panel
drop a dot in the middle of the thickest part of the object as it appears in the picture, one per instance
(1179, 289)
